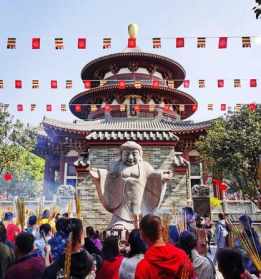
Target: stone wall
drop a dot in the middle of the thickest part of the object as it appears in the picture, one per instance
(177, 193)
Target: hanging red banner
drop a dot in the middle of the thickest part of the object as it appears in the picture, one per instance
(82, 43)
(36, 43)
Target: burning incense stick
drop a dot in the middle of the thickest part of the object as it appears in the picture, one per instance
(20, 210)
(77, 205)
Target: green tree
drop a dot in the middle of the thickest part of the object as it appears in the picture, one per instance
(231, 150)
(16, 143)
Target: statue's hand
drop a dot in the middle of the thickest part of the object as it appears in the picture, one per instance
(167, 175)
(94, 174)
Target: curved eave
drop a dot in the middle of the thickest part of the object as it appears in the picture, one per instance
(122, 59)
(162, 91)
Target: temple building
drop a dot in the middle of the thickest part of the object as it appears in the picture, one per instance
(130, 95)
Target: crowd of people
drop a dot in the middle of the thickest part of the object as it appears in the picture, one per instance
(62, 248)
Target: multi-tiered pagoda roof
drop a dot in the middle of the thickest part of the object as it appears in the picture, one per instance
(133, 95)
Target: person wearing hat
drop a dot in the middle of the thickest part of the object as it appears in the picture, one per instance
(11, 229)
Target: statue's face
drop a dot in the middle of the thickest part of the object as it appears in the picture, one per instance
(130, 157)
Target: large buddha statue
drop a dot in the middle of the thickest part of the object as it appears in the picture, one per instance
(131, 187)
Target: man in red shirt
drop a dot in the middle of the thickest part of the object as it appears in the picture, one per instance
(11, 229)
(161, 260)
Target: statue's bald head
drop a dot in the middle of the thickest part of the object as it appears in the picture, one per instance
(131, 153)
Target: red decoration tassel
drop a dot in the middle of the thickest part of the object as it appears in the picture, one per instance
(81, 43)
(36, 43)
(222, 42)
(18, 84)
(180, 42)
(54, 84)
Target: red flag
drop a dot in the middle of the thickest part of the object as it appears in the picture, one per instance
(253, 82)
(194, 107)
(180, 42)
(216, 182)
(20, 107)
(81, 43)
(53, 84)
(49, 107)
(131, 42)
(107, 108)
(18, 84)
(222, 42)
(155, 83)
(252, 107)
(87, 84)
(78, 108)
(36, 43)
(220, 83)
(186, 83)
(7, 176)
(223, 107)
(121, 84)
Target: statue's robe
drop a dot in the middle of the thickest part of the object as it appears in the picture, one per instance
(126, 191)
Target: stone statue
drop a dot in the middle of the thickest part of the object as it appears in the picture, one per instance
(130, 188)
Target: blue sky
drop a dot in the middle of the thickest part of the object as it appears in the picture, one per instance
(96, 19)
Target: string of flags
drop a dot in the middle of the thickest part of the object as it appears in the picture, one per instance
(179, 42)
(124, 107)
(87, 84)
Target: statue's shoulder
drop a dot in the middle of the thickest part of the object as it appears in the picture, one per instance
(147, 166)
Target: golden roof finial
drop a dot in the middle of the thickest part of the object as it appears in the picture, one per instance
(133, 30)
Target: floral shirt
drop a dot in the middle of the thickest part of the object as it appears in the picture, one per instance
(58, 244)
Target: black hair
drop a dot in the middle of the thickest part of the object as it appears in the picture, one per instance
(46, 213)
(187, 242)
(137, 245)
(2, 232)
(24, 241)
(151, 227)
(66, 215)
(221, 216)
(44, 230)
(32, 220)
(75, 227)
(110, 248)
(90, 231)
(230, 263)
(61, 225)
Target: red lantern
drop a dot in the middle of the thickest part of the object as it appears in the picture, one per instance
(107, 108)
(223, 187)
(137, 108)
(121, 84)
(194, 107)
(7, 177)
(155, 83)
